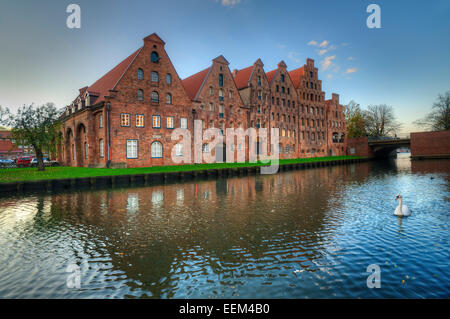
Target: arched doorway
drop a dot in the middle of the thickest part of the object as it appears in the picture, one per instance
(81, 146)
(68, 148)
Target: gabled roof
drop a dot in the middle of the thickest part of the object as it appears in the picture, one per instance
(295, 76)
(221, 59)
(154, 37)
(109, 81)
(193, 83)
(243, 77)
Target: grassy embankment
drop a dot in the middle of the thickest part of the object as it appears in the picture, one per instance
(28, 174)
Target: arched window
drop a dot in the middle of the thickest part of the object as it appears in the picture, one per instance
(179, 149)
(335, 137)
(154, 57)
(168, 79)
(155, 77)
(220, 79)
(140, 95)
(140, 74)
(85, 150)
(155, 97)
(168, 98)
(102, 148)
(157, 150)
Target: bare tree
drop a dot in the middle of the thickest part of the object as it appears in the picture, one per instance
(35, 126)
(351, 109)
(380, 120)
(439, 117)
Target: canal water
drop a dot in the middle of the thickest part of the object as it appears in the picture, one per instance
(298, 234)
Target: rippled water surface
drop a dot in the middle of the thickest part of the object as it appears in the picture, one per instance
(298, 234)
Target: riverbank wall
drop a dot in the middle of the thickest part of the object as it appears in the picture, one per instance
(73, 184)
(359, 147)
(425, 145)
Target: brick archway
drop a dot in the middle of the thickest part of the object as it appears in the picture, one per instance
(81, 149)
(69, 147)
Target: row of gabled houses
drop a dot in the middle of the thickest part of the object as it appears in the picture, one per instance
(127, 117)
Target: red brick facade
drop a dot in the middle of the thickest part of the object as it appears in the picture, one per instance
(126, 118)
(335, 126)
(359, 147)
(430, 144)
(312, 123)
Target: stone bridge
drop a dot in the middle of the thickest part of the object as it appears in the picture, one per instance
(382, 148)
(423, 145)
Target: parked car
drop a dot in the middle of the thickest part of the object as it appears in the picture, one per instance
(4, 162)
(23, 161)
(47, 162)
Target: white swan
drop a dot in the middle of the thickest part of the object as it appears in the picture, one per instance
(401, 210)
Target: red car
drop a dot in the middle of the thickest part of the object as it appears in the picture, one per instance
(23, 161)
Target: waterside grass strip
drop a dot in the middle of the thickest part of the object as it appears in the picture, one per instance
(139, 177)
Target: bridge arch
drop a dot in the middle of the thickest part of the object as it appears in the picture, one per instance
(382, 148)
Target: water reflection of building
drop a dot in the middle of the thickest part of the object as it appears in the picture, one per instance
(431, 166)
(159, 233)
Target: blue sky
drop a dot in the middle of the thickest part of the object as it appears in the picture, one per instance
(405, 63)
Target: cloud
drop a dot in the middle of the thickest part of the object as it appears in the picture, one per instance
(322, 52)
(328, 61)
(323, 44)
(352, 70)
(229, 3)
(350, 58)
(312, 42)
(294, 56)
(281, 46)
(329, 76)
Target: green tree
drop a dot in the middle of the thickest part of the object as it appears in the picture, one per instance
(354, 120)
(34, 126)
(439, 117)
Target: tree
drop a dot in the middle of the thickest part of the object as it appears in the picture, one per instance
(354, 120)
(439, 117)
(380, 120)
(34, 126)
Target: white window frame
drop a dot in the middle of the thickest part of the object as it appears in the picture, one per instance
(101, 148)
(184, 122)
(156, 153)
(142, 121)
(132, 149)
(179, 149)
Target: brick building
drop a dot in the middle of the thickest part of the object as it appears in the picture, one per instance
(11, 149)
(335, 126)
(312, 122)
(283, 110)
(127, 117)
(217, 102)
